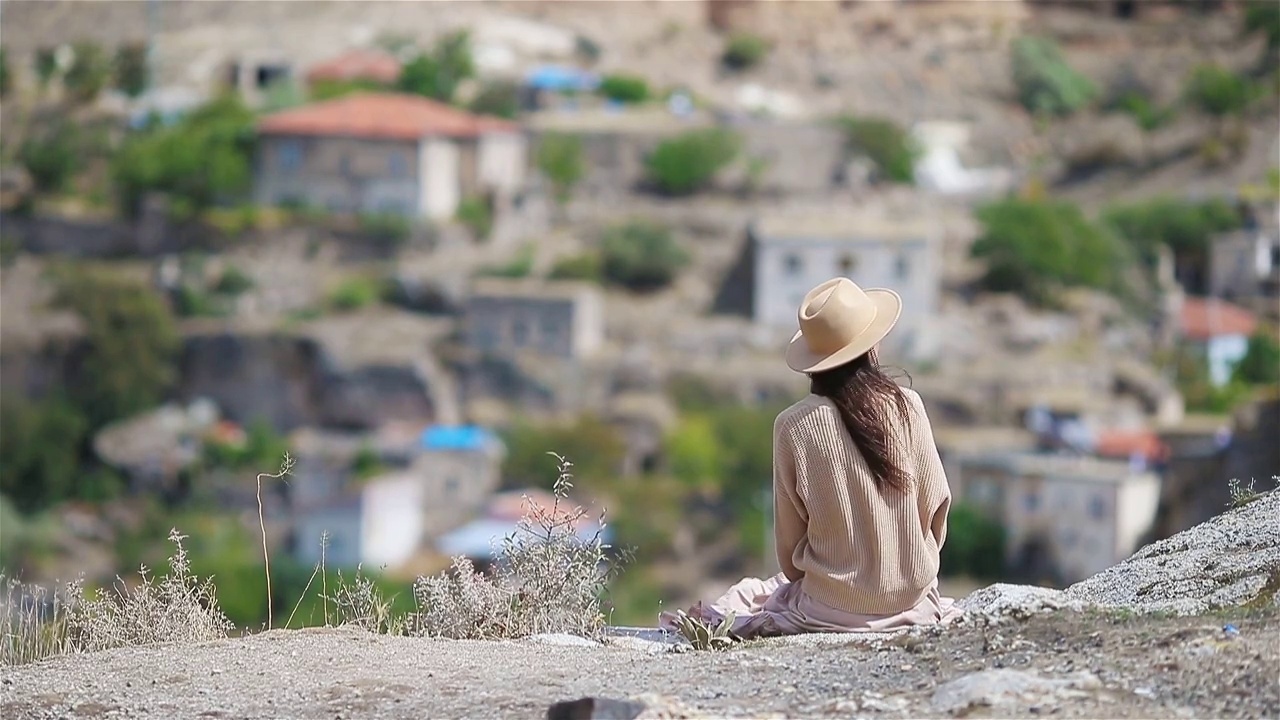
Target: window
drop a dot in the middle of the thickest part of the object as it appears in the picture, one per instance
(520, 332)
(1031, 500)
(1097, 507)
(289, 156)
(1069, 538)
(792, 264)
(396, 165)
(451, 486)
(848, 263)
(551, 331)
(902, 266)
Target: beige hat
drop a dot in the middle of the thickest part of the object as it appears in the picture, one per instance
(839, 322)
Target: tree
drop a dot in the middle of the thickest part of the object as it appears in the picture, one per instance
(438, 73)
(641, 256)
(52, 156)
(500, 98)
(744, 51)
(1218, 91)
(689, 162)
(46, 65)
(1046, 83)
(131, 72)
(1032, 248)
(595, 449)
(560, 158)
(694, 454)
(88, 73)
(975, 545)
(1261, 362)
(886, 144)
(205, 158)
(4, 73)
(40, 450)
(1264, 17)
(624, 88)
(1184, 227)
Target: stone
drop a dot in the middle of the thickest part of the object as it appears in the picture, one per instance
(593, 708)
(994, 688)
(1015, 601)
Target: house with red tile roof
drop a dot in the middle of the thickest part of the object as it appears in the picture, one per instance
(1218, 330)
(387, 153)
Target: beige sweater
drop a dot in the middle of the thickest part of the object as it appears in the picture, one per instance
(858, 549)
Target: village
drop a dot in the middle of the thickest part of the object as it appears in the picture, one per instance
(420, 292)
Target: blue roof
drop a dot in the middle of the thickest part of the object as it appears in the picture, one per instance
(558, 77)
(457, 437)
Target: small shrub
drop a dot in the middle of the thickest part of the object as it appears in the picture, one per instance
(329, 89)
(190, 301)
(46, 65)
(1261, 362)
(975, 545)
(366, 463)
(1147, 114)
(624, 88)
(477, 215)
(688, 163)
(1184, 227)
(499, 98)
(547, 579)
(744, 51)
(5, 78)
(387, 229)
(89, 72)
(886, 144)
(356, 293)
(130, 69)
(560, 158)
(438, 73)
(1046, 83)
(52, 157)
(1219, 91)
(641, 256)
(361, 604)
(703, 636)
(586, 266)
(234, 281)
(521, 266)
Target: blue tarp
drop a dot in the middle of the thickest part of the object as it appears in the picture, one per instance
(560, 78)
(458, 437)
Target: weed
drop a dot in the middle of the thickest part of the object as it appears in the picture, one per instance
(362, 604)
(286, 466)
(1242, 495)
(702, 636)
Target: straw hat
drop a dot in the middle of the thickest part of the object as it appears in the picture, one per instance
(839, 322)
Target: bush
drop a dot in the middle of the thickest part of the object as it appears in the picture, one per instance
(40, 450)
(1147, 114)
(1032, 248)
(744, 51)
(641, 256)
(624, 88)
(499, 98)
(475, 213)
(438, 73)
(130, 69)
(886, 144)
(687, 163)
(234, 281)
(560, 158)
(327, 89)
(586, 266)
(46, 65)
(88, 73)
(975, 545)
(5, 79)
(356, 293)
(1046, 83)
(1264, 17)
(387, 229)
(599, 451)
(520, 266)
(1261, 362)
(1184, 227)
(52, 157)
(1218, 91)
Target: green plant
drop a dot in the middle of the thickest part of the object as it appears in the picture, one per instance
(40, 450)
(560, 158)
(326, 89)
(624, 88)
(1147, 114)
(641, 256)
(586, 266)
(1032, 248)
(1046, 83)
(234, 281)
(5, 79)
(389, 229)
(1184, 227)
(88, 73)
(1242, 495)
(1219, 91)
(477, 215)
(1261, 362)
(703, 636)
(130, 68)
(286, 465)
(52, 156)
(356, 293)
(975, 544)
(46, 65)
(438, 73)
(193, 302)
(500, 98)
(694, 453)
(689, 162)
(886, 144)
(1264, 17)
(744, 51)
(520, 266)
(598, 447)
(367, 463)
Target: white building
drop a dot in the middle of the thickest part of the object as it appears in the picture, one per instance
(794, 251)
(387, 153)
(1074, 515)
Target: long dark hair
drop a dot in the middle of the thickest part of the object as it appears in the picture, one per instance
(865, 396)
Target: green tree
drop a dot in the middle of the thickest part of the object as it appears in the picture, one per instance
(1046, 83)
(886, 144)
(4, 73)
(1261, 362)
(689, 162)
(694, 454)
(438, 73)
(560, 158)
(52, 156)
(89, 72)
(624, 88)
(131, 344)
(1032, 248)
(205, 158)
(40, 450)
(1264, 17)
(46, 65)
(577, 267)
(500, 98)
(477, 215)
(641, 256)
(131, 72)
(1184, 227)
(975, 545)
(744, 51)
(1219, 91)
(595, 449)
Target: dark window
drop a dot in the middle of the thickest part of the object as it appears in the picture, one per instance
(902, 267)
(520, 332)
(1031, 500)
(793, 264)
(289, 155)
(1097, 507)
(848, 263)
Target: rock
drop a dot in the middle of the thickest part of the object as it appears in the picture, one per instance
(1016, 601)
(1004, 687)
(590, 708)
(1230, 560)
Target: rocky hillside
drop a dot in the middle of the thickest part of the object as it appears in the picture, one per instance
(1018, 652)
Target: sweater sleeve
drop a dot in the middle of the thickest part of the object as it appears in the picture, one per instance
(789, 520)
(935, 492)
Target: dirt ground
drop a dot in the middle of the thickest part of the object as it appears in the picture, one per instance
(1068, 664)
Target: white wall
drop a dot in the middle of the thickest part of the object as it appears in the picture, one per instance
(391, 520)
(343, 527)
(502, 160)
(439, 178)
(1136, 504)
(1224, 352)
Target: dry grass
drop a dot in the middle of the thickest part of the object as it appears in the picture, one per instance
(178, 607)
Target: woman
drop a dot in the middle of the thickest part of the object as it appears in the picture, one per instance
(860, 498)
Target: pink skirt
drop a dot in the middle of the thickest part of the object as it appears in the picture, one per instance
(773, 607)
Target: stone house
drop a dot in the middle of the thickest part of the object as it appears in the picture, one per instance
(1066, 517)
(792, 251)
(564, 320)
(1244, 266)
(1218, 331)
(441, 482)
(387, 153)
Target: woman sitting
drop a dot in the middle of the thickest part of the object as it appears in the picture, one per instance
(860, 497)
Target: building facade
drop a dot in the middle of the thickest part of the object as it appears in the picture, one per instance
(386, 153)
(1218, 332)
(1245, 265)
(556, 319)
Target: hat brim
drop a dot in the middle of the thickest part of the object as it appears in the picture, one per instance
(888, 308)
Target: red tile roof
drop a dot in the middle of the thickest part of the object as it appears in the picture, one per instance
(357, 65)
(381, 116)
(1127, 443)
(1202, 319)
